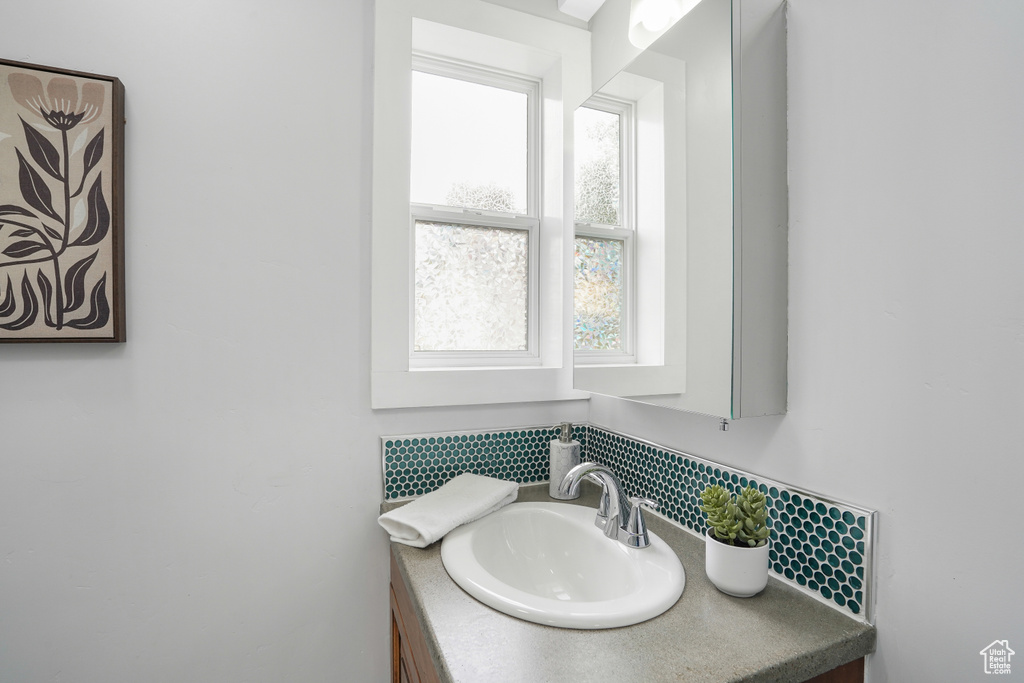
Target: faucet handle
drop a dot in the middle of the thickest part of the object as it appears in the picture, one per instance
(637, 501)
(636, 528)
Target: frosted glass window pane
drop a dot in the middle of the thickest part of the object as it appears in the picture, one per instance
(597, 291)
(471, 288)
(469, 144)
(597, 166)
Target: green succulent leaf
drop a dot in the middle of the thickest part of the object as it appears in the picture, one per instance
(754, 513)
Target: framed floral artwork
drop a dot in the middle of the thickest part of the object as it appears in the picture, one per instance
(61, 205)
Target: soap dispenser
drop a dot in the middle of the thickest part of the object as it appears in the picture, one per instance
(565, 454)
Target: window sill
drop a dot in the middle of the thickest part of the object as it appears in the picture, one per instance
(426, 387)
(631, 380)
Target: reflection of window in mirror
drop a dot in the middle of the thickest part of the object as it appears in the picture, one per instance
(473, 186)
(603, 286)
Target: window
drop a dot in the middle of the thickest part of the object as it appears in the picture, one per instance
(604, 254)
(469, 272)
(625, 262)
(474, 204)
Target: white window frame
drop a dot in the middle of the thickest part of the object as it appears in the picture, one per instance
(505, 39)
(660, 228)
(624, 232)
(528, 222)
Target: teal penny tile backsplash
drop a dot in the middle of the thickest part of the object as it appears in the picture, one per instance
(414, 465)
(822, 546)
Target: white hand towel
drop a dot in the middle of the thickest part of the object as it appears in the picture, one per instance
(465, 498)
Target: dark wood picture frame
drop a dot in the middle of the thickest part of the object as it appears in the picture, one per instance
(61, 205)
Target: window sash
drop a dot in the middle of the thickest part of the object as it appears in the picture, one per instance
(624, 231)
(626, 111)
(479, 219)
(451, 68)
(529, 222)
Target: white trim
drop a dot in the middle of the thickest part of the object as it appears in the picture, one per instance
(468, 386)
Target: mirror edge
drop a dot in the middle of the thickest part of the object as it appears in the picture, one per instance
(761, 209)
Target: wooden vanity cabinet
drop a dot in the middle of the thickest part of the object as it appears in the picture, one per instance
(851, 672)
(410, 658)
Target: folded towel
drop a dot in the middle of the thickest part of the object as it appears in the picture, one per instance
(465, 498)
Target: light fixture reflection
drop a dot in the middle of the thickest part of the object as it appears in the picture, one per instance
(649, 19)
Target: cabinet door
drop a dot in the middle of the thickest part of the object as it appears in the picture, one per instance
(400, 656)
(852, 672)
(410, 659)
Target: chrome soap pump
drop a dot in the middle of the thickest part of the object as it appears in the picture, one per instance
(565, 454)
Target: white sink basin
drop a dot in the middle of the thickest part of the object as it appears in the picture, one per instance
(548, 563)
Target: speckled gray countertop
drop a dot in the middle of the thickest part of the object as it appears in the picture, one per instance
(780, 634)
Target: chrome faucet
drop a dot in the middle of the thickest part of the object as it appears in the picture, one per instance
(618, 516)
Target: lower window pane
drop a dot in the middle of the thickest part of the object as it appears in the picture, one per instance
(597, 293)
(471, 288)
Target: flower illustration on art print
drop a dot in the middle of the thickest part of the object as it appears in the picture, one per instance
(61, 104)
(50, 240)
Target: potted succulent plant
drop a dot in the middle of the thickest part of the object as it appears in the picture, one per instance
(737, 540)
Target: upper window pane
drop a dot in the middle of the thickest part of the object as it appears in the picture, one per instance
(597, 166)
(469, 144)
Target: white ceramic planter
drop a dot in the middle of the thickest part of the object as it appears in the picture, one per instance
(737, 571)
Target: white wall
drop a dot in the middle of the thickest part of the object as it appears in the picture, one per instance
(199, 504)
(906, 315)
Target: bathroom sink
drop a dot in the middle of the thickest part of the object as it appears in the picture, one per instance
(547, 563)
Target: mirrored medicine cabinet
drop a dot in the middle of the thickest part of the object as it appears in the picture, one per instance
(700, 321)
(706, 216)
